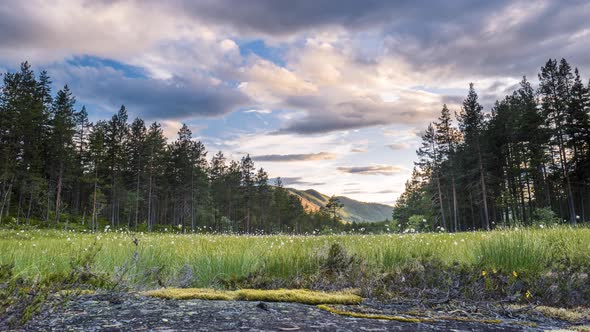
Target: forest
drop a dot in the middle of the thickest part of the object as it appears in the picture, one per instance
(56, 167)
(525, 162)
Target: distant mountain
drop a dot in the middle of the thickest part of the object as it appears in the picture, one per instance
(353, 211)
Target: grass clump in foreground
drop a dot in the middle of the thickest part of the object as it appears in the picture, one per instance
(304, 296)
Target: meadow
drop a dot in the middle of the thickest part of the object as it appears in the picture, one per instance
(149, 260)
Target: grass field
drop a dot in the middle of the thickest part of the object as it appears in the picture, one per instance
(207, 260)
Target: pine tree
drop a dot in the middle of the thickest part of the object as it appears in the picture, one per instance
(155, 146)
(63, 128)
(115, 140)
(554, 89)
(247, 180)
(471, 123)
(97, 154)
(136, 146)
(429, 162)
(334, 205)
(447, 138)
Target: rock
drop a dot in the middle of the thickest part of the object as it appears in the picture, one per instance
(262, 305)
(148, 314)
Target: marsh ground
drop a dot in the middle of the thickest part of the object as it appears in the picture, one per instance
(458, 275)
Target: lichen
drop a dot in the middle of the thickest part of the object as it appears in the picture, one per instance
(570, 315)
(299, 295)
(74, 292)
(192, 293)
(274, 295)
(369, 316)
(405, 319)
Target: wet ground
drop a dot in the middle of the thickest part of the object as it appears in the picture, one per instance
(129, 312)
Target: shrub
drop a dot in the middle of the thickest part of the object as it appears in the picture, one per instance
(545, 217)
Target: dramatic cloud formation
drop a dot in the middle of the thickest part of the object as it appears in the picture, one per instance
(295, 157)
(301, 80)
(372, 169)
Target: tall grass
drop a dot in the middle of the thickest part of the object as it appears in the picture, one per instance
(206, 259)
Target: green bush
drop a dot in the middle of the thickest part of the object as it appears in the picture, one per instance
(545, 217)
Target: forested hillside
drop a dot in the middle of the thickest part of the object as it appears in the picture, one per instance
(351, 211)
(525, 161)
(57, 167)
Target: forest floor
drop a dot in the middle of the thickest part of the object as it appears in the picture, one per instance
(133, 312)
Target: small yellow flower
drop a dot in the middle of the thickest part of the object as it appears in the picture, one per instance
(528, 294)
(494, 271)
(483, 273)
(514, 274)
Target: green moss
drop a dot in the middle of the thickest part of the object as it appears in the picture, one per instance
(274, 295)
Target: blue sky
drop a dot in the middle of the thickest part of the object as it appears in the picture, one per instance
(329, 94)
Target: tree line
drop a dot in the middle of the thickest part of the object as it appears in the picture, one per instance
(526, 161)
(56, 166)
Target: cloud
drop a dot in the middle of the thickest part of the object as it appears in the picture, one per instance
(362, 112)
(398, 146)
(283, 18)
(171, 99)
(259, 111)
(387, 191)
(44, 31)
(358, 150)
(406, 133)
(372, 169)
(291, 181)
(351, 192)
(269, 83)
(295, 157)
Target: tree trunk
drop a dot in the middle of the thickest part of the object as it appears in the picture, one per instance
(483, 189)
(6, 198)
(440, 200)
(113, 200)
(58, 193)
(137, 193)
(565, 170)
(29, 208)
(18, 210)
(455, 205)
(94, 225)
(149, 211)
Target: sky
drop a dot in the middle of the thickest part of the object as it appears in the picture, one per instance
(327, 94)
